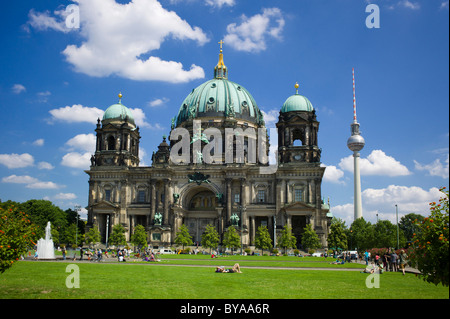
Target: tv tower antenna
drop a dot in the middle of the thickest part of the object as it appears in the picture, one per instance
(356, 143)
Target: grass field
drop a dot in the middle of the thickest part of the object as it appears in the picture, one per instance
(165, 280)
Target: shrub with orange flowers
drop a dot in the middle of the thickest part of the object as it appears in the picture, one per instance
(17, 235)
(430, 244)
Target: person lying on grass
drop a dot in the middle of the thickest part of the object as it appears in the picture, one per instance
(236, 268)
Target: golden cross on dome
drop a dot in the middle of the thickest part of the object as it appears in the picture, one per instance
(221, 42)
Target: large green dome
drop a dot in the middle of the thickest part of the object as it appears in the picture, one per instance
(118, 112)
(219, 97)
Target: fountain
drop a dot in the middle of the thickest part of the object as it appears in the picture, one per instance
(45, 249)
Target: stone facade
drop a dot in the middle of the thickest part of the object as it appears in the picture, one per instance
(197, 191)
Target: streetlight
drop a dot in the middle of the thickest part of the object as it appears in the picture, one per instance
(77, 209)
(242, 209)
(396, 216)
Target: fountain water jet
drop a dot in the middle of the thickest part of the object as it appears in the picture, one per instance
(45, 248)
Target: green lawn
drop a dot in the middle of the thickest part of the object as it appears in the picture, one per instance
(29, 279)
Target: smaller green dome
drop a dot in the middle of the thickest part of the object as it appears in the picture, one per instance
(118, 112)
(297, 102)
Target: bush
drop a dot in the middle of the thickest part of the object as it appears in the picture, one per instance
(430, 254)
(17, 235)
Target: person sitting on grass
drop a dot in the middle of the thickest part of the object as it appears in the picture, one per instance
(372, 268)
(236, 268)
(338, 262)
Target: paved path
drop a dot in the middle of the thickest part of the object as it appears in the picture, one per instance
(162, 263)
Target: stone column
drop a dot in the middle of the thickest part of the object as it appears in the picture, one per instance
(152, 200)
(229, 200)
(243, 198)
(166, 201)
(253, 230)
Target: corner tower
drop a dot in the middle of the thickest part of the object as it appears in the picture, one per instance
(298, 128)
(117, 138)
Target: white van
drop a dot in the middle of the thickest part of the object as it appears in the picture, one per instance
(166, 251)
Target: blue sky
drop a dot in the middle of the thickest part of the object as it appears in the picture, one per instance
(57, 80)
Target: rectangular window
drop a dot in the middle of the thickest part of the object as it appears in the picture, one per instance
(108, 195)
(261, 196)
(141, 196)
(156, 236)
(298, 195)
(237, 198)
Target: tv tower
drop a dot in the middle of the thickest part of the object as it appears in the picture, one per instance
(356, 143)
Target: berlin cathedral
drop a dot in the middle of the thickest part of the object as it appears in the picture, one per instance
(212, 169)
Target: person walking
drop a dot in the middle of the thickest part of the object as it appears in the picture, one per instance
(403, 261)
(366, 257)
(394, 258)
(63, 250)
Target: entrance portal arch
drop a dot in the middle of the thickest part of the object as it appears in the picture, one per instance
(200, 207)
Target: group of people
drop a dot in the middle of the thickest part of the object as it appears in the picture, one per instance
(390, 261)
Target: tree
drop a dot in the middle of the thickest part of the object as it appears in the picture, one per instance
(231, 238)
(139, 238)
(92, 236)
(430, 247)
(287, 240)
(385, 235)
(17, 235)
(117, 236)
(262, 239)
(310, 239)
(71, 236)
(361, 234)
(183, 237)
(210, 238)
(337, 237)
(43, 211)
(409, 224)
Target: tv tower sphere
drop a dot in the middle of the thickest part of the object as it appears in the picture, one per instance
(355, 142)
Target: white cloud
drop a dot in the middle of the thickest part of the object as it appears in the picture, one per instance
(45, 165)
(30, 182)
(44, 21)
(77, 160)
(39, 142)
(271, 117)
(116, 37)
(444, 5)
(16, 160)
(64, 196)
(158, 102)
(44, 185)
(14, 179)
(18, 88)
(333, 174)
(382, 202)
(435, 168)
(220, 3)
(252, 34)
(377, 163)
(409, 4)
(76, 114)
(412, 199)
(83, 142)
